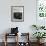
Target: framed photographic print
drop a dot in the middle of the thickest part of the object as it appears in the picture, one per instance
(41, 12)
(17, 13)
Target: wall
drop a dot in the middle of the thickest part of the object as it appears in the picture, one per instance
(29, 15)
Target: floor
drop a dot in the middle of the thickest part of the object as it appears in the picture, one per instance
(13, 44)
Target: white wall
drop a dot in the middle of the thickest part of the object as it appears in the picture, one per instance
(29, 15)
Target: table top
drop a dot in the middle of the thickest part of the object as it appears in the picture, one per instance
(9, 34)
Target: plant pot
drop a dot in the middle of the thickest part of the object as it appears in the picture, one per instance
(40, 41)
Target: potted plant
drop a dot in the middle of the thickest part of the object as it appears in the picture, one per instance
(35, 26)
(39, 35)
(38, 27)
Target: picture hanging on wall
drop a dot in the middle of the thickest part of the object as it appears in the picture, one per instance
(17, 13)
(41, 12)
(41, 8)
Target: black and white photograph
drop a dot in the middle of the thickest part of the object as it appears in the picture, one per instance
(17, 13)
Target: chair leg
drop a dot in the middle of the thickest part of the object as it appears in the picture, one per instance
(5, 43)
(5, 39)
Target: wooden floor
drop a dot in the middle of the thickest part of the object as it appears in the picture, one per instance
(13, 44)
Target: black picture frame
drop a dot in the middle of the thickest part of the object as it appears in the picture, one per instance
(17, 13)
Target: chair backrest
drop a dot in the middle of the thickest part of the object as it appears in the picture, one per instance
(24, 37)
